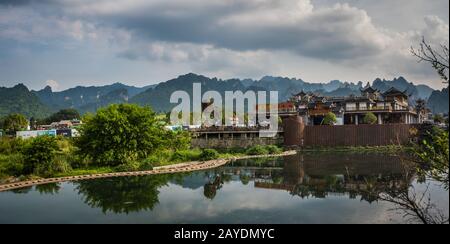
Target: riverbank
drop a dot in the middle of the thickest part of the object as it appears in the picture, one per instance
(168, 169)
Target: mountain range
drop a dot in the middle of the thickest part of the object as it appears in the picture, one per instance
(19, 99)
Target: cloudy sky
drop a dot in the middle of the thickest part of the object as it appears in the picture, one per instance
(65, 43)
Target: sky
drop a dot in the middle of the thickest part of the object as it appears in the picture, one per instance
(66, 43)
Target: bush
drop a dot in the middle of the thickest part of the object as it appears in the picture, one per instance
(40, 153)
(158, 158)
(58, 165)
(185, 155)
(128, 167)
(272, 149)
(12, 145)
(209, 154)
(329, 119)
(146, 165)
(370, 119)
(257, 150)
(11, 165)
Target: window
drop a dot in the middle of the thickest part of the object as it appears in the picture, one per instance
(350, 106)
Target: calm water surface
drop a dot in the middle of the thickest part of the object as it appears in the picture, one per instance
(305, 188)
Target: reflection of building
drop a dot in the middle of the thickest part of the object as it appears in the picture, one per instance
(320, 176)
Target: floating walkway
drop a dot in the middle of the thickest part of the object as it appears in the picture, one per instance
(169, 169)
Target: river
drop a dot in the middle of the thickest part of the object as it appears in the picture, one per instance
(304, 188)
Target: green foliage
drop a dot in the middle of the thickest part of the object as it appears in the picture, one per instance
(178, 140)
(209, 154)
(39, 156)
(438, 118)
(13, 123)
(272, 149)
(433, 156)
(186, 155)
(128, 167)
(11, 165)
(257, 150)
(64, 114)
(122, 133)
(329, 119)
(370, 118)
(12, 145)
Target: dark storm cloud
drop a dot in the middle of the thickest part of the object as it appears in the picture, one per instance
(335, 33)
(22, 2)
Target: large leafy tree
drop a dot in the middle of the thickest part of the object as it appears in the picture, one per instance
(14, 122)
(122, 133)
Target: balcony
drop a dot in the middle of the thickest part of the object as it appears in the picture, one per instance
(368, 109)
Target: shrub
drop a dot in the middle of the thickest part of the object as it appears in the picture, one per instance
(185, 155)
(370, 119)
(146, 165)
(58, 165)
(329, 119)
(257, 150)
(11, 165)
(12, 145)
(272, 149)
(128, 167)
(40, 153)
(209, 154)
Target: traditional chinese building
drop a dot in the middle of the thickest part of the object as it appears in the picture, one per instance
(389, 107)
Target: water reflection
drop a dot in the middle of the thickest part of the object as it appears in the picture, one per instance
(240, 187)
(123, 194)
(318, 176)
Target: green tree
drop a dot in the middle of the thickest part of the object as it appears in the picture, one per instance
(40, 154)
(64, 114)
(370, 119)
(121, 133)
(433, 156)
(438, 118)
(14, 122)
(329, 119)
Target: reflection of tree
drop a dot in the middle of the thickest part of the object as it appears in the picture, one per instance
(217, 180)
(52, 188)
(22, 190)
(245, 179)
(123, 194)
(415, 205)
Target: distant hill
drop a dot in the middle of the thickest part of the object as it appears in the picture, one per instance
(400, 83)
(159, 97)
(87, 99)
(438, 101)
(19, 99)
